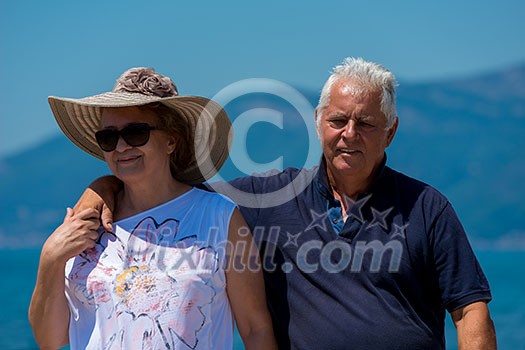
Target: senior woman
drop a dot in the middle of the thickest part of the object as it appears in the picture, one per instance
(170, 275)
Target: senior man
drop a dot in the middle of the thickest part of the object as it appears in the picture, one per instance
(361, 256)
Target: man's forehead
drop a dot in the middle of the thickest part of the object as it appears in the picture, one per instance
(353, 88)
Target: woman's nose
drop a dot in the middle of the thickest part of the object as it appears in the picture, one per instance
(122, 145)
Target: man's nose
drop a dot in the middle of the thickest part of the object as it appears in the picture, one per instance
(350, 130)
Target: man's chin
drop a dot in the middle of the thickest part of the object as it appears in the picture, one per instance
(347, 168)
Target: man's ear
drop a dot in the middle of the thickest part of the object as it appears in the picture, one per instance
(392, 132)
(317, 115)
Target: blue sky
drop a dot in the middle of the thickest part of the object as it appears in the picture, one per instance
(74, 49)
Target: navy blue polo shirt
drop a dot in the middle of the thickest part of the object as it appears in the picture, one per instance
(381, 280)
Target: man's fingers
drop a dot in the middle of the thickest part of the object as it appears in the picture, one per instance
(89, 213)
(69, 213)
(107, 218)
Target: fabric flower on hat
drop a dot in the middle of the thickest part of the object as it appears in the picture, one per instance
(147, 82)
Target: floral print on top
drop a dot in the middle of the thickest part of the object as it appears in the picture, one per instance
(156, 285)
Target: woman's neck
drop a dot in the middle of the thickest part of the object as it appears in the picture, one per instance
(138, 197)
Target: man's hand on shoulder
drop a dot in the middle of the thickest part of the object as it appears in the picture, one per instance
(100, 195)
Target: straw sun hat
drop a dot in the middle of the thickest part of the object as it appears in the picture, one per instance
(209, 125)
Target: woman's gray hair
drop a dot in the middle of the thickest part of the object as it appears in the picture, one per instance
(369, 76)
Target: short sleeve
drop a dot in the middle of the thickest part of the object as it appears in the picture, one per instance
(460, 277)
(245, 184)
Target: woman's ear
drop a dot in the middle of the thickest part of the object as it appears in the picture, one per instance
(172, 144)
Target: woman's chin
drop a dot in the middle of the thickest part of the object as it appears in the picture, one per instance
(129, 176)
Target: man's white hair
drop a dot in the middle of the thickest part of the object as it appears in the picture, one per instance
(368, 76)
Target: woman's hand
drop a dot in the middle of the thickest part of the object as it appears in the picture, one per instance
(49, 311)
(77, 233)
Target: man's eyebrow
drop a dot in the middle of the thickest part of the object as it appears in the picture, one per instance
(337, 114)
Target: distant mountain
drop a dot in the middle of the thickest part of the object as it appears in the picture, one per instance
(37, 185)
(466, 138)
(463, 136)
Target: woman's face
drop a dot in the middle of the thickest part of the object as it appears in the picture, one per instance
(137, 163)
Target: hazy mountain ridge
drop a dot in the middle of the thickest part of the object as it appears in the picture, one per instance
(471, 131)
(463, 136)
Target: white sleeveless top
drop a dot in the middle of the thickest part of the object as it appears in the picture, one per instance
(158, 282)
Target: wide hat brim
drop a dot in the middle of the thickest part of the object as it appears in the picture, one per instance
(209, 124)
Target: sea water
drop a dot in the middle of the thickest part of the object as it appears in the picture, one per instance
(504, 270)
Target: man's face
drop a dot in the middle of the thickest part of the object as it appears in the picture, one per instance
(353, 131)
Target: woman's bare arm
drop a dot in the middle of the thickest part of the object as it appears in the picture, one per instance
(245, 286)
(48, 311)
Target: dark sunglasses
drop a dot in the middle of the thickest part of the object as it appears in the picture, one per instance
(135, 134)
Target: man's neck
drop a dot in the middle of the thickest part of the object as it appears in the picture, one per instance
(346, 189)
